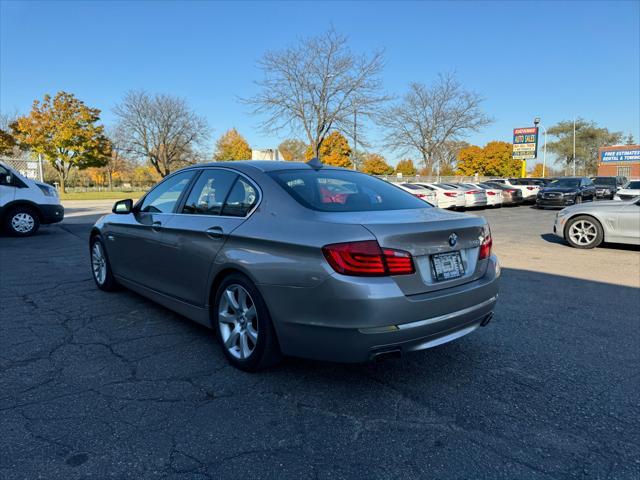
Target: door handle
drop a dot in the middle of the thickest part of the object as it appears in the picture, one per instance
(156, 225)
(215, 232)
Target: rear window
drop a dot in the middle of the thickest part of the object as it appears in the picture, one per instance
(633, 185)
(328, 190)
(411, 186)
(604, 180)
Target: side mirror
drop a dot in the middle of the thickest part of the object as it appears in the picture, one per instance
(8, 179)
(123, 206)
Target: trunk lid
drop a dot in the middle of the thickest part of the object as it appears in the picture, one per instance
(424, 233)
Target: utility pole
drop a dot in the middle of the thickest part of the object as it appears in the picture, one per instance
(574, 146)
(536, 122)
(355, 137)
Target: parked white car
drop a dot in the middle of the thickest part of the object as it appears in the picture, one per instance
(26, 204)
(528, 188)
(473, 196)
(494, 195)
(629, 191)
(446, 197)
(419, 191)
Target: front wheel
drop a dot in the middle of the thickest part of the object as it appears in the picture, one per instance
(22, 221)
(100, 266)
(584, 232)
(243, 325)
(578, 200)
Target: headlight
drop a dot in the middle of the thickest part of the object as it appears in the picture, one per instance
(606, 190)
(47, 190)
(562, 213)
(569, 194)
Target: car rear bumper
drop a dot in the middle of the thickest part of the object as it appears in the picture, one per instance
(51, 213)
(348, 319)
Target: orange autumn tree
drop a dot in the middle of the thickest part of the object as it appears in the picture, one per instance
(232, 146)
(375, 164)
(334, 151)
(66, 132)
(406, 167)
(494, 159)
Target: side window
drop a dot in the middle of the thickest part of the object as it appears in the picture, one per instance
(242, 197)
(163, 198)
(3, 175)
(209, 192)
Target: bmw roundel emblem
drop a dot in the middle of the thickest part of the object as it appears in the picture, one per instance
(453, 239)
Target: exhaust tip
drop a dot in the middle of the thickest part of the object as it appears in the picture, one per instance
(378, 355)
(485, 321)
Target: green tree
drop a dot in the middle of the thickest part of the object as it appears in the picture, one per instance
(66, 132)
(334, 151)
(375, 164)
(232, 146)
(292, 150)
(589, 137)
(406, 167)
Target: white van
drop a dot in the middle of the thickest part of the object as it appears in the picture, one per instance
(26, 204)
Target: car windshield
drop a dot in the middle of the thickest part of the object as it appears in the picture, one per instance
(565, 183)
(605, 181)
(633, 185)
(328, 190)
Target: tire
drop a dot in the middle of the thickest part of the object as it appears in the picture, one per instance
(22, 221)
(243, 326)
(578, 200)
(584, 232)
(100, 266)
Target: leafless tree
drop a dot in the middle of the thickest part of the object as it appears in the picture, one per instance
(429, 117)
(161, 129)
(316, 86)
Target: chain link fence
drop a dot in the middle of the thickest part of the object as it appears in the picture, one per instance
(27, 167)
(433, 179)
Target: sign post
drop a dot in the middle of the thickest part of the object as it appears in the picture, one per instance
(525, 146)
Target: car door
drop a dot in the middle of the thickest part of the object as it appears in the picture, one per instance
(7, 190)
(629, 221)
(588, 189)
(219, 201)
(135, 242)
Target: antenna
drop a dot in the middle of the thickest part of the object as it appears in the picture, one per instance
(315, 163)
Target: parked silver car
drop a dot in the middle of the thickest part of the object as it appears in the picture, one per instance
(587, 225)
(300, 259)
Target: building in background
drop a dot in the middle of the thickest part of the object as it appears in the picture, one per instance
(266, 154)
(619, 161)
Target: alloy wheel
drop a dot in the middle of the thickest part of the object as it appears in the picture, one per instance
(583, 232)
(98, 263)
(238, 321)
(23, 222)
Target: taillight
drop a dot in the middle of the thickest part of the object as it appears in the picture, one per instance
(472, 192)
(511, 191)
(420, 195)
(490, 193)
(530, 188)
(485, 246)
(367, 259)
(450, 194)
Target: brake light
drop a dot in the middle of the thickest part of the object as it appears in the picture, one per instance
(485, 246)
(530, 188)
(450, 194)
(367, 259)
(511, 191)
(420, 195)
(472, 192)
(490, 193)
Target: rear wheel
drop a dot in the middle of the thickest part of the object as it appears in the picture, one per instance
(578, 200)
(243, 325)
(22, 221)
(584, 232)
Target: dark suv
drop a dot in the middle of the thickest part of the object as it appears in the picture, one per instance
(566, 191)
(606, 187)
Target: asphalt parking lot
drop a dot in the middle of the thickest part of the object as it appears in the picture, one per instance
(98, 385)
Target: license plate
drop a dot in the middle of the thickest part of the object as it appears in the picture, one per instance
(447, 266)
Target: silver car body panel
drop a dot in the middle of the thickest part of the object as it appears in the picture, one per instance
(620, 220)
(316, 312)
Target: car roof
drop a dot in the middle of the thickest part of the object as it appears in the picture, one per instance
(265, 165)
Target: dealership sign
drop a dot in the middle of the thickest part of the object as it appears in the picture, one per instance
(525, 143)
(620, 155)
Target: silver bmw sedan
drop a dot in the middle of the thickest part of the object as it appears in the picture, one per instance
(284, 258)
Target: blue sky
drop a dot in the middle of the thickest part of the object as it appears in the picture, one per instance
(548, 59)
